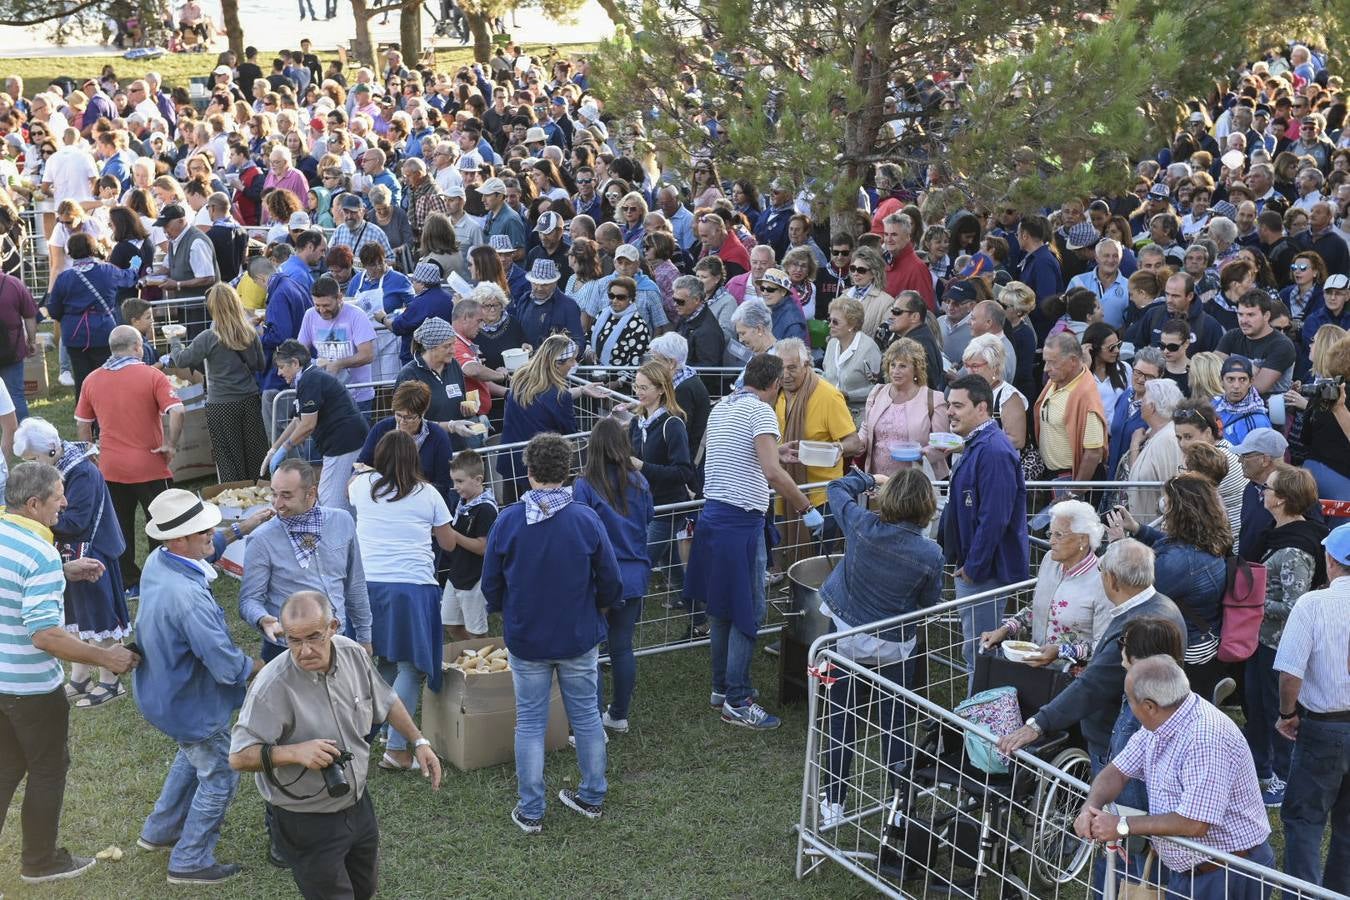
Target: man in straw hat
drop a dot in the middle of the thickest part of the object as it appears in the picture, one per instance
(191, 680)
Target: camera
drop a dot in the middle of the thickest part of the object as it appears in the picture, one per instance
(334, 779)
(1323, 390)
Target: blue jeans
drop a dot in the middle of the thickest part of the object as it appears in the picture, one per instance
(192, 805)
(623, 664)
(1222, 884)
(578, 679)
(663, 549)
(12, 376)
(1271, 751)
(406, 681)
(976, 619)
(1319, 789)
(732, 650)
(63, 356)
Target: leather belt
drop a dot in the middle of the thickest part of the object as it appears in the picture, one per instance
(1207, 867)
(1342, 716)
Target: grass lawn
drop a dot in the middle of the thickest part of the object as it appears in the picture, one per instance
(177, 68)
(696, 808)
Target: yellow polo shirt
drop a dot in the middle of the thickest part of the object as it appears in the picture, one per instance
(1056, 447)
(827, 420)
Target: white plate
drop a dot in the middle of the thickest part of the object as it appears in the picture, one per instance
(1019, 651)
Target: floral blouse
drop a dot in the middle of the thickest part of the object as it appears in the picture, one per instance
(1069, 608)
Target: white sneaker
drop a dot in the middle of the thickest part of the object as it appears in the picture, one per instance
(65, 379)
(619, 726)
(572, 740)
(831, 815)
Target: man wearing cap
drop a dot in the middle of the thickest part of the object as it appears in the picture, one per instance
(775, 289)
(191, 679)
(959, 299)
(500, 218)
(1106, 281)
(1259, 453)
(1315, 714)
(1312, 142)
(1270, 352)
(551, 246)
(559, 127)
(354, 231)
(324, 410)
(547, 310)
(772, 227)
(535, 139)
(1335, 294)
(904, 270)
(468, 229)
(341, 339)
(1240, 407)
(191, 260)
(430, 299)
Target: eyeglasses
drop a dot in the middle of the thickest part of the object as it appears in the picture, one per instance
(859, 270)
(1060, 535)
(629, 208)
(406, 417)
(1107, 348)
(1172, 348)
(1300, 267)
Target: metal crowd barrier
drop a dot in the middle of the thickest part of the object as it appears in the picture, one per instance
(34, 264)
(188, 311)
(916, 813)
(718, 379)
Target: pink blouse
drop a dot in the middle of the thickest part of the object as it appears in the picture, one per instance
(884, 422)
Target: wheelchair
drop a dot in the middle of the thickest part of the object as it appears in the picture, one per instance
(958, 827)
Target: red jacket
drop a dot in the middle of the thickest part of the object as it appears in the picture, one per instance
(248, 202)
(906, 272)
(733, 252)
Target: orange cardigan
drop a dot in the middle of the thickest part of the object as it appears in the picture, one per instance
(1085, 400)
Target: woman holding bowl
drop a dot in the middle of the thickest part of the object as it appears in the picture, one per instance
(903, 410)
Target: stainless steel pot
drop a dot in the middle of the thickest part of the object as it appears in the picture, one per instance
(804, 620)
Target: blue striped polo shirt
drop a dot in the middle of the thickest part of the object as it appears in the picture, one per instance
(31, 588)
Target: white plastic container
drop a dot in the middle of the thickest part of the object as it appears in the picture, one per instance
(817, 454)
(1019, 651)
(515, 358)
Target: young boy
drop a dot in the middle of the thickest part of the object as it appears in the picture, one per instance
(463, 607)
(141, 316)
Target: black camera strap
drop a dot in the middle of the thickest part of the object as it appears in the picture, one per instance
(271, 776)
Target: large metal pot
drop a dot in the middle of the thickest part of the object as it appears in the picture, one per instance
(804, 620)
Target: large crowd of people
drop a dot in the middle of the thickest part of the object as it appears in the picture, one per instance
(1160, 372)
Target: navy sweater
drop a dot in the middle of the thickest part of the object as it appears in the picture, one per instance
(550, 411)
(627, 533)
(665, 455)
(550, 581)
(433, 456)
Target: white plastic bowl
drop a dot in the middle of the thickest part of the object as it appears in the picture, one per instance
(515, 358)
(1019, 651)
(817, 454)
(945, 440)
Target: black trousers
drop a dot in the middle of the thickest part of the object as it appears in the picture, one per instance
(82, 362)
(125, 498)
(333, 856)
(33, 743)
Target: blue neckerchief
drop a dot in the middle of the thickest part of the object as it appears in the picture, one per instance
(541, 504)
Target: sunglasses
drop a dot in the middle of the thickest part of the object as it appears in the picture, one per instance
(771, 289)
(619, 296)
(629, 208)
(585, 181)
(859, 270)
(1182, 416)
(613, 198)
(840, 252)
(1300, 267)
(1172, 348)
(897, 311)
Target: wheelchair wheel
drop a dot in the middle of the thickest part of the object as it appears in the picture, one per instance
(1057, 854)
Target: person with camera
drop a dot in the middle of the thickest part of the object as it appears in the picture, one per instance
(303, 731)
(1326, 426)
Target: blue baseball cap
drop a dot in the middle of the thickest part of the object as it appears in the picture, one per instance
(1338, 544)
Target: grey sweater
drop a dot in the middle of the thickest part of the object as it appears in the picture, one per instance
(229, 373)
(271, 573)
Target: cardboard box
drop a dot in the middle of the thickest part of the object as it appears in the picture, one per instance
(193, 393)
(471, 723)
(231, 562)
(35, 383)
(195, 458)
(234, 513)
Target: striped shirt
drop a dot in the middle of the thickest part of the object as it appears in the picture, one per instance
(732, 471)
(31, 588)
(1316, 647)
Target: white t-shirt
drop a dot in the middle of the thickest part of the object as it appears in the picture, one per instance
(395, 537)
(61, 237)
(70, 171)
(733, 474)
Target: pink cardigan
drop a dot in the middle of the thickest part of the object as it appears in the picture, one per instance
(884, 422)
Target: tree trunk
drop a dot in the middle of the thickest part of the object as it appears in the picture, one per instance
(872, 60)
(365, 49)
(615, 13)
(482, 38)
(410, 31)
(234, 31)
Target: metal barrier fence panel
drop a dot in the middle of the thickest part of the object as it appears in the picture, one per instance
(188, 312)
(899, 791)
(718, 379)
(35, 265)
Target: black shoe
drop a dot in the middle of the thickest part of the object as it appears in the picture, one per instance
(62, 866)
(574, 802)
(525, 823)
(210, 875)
(276, 859)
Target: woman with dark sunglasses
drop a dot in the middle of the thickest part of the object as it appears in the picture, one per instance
(1304, 294)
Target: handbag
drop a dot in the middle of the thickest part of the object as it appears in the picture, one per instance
(998, 710)
(1143, 889)
(1244, 606)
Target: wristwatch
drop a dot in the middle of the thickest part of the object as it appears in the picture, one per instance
(421, 742)
(1123, 826)
(1034, 726)
(1292, 715)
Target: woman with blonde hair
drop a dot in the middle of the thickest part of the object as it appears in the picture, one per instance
(71, 219)
(540, 399)
(867, 274)
(231, 355)
(632, 210)
(1205, 381)
(660, 440)
(851, 357)
(901, 411)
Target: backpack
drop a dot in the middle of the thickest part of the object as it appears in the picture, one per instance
(1244, 605)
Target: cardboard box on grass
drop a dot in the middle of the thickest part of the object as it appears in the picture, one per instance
(471, 723)
(35, 383)
(195, 458)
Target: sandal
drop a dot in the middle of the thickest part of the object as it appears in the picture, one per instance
(389, 764)
(77, 689)
(105, 692)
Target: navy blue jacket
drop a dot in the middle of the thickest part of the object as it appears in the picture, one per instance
(772, 229)
(984, 524)
(434, 301)
(433, 456)
(627, 533)
(550, 581)
(789, 321)
(1123, 427)
(1193, 579)
(558, 313)
(1257, 523)
(550, 411)
(1041, 272)
(666, 461)
(912, 562)
(1205, 331)
(1093, 698)
(87, 318)
(287, 300)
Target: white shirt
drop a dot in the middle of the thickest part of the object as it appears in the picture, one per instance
(61, 237)
(200, 256)
(70, 172)
(395, 536)
(1315, 646)
(447, 178)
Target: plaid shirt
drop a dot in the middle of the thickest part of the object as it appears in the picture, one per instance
(1197, 765)
(423, 201)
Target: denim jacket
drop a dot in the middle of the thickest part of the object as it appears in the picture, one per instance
(912, 562)
(1192, 578)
